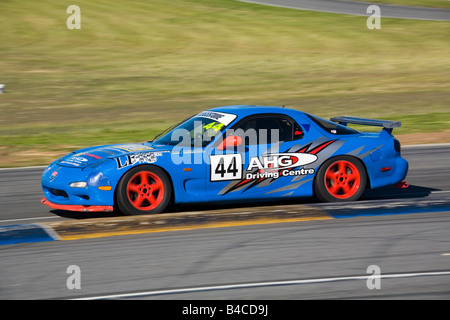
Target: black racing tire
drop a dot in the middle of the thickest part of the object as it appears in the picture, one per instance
(144, 189)
(339, 179)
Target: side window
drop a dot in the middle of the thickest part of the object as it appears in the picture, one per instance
(268, 129)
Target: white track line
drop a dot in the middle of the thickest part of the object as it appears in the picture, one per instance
(437, 192)
(26, 219)
(432, 145)
(262, 284)
(23, 168)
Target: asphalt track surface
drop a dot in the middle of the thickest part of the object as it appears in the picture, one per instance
(325, 259)
(359, 8)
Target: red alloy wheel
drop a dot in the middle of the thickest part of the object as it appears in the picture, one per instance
(145, 190)
(342, 179)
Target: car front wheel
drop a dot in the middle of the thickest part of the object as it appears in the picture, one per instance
(143, 190)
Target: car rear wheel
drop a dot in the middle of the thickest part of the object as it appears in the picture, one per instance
(340, 179)
(143, 190)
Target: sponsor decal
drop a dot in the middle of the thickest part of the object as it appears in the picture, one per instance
(53, 175)
(131, 159)
(275, 165)
(133, 147)
(225, 118)
(281, 161)
(75, 161)
(277, 174)
(92, 156)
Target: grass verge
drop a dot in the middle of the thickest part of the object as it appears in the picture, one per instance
(136, 67)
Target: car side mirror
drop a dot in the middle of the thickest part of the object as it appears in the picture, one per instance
(230, 142)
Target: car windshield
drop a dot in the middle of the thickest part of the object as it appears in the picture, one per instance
(197, 131)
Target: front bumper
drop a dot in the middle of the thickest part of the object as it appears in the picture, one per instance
(98, 195)
(78, 208)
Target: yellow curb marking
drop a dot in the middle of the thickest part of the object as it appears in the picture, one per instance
(192, 227)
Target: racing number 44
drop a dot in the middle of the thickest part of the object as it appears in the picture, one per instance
(226, 167)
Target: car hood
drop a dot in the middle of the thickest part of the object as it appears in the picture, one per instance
(86, 157)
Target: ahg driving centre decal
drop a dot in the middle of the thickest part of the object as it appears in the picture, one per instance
(281, 161)
(279, 164)
(229, 167)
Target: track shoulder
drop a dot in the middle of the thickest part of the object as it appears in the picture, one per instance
(359, 8)
(102, 227)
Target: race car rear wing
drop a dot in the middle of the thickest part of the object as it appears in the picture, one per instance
(387, 125)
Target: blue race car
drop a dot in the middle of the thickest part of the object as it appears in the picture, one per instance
(230, 154)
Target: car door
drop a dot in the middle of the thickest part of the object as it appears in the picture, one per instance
(256, 162)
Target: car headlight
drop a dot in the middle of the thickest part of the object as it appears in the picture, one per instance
(78, 184)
